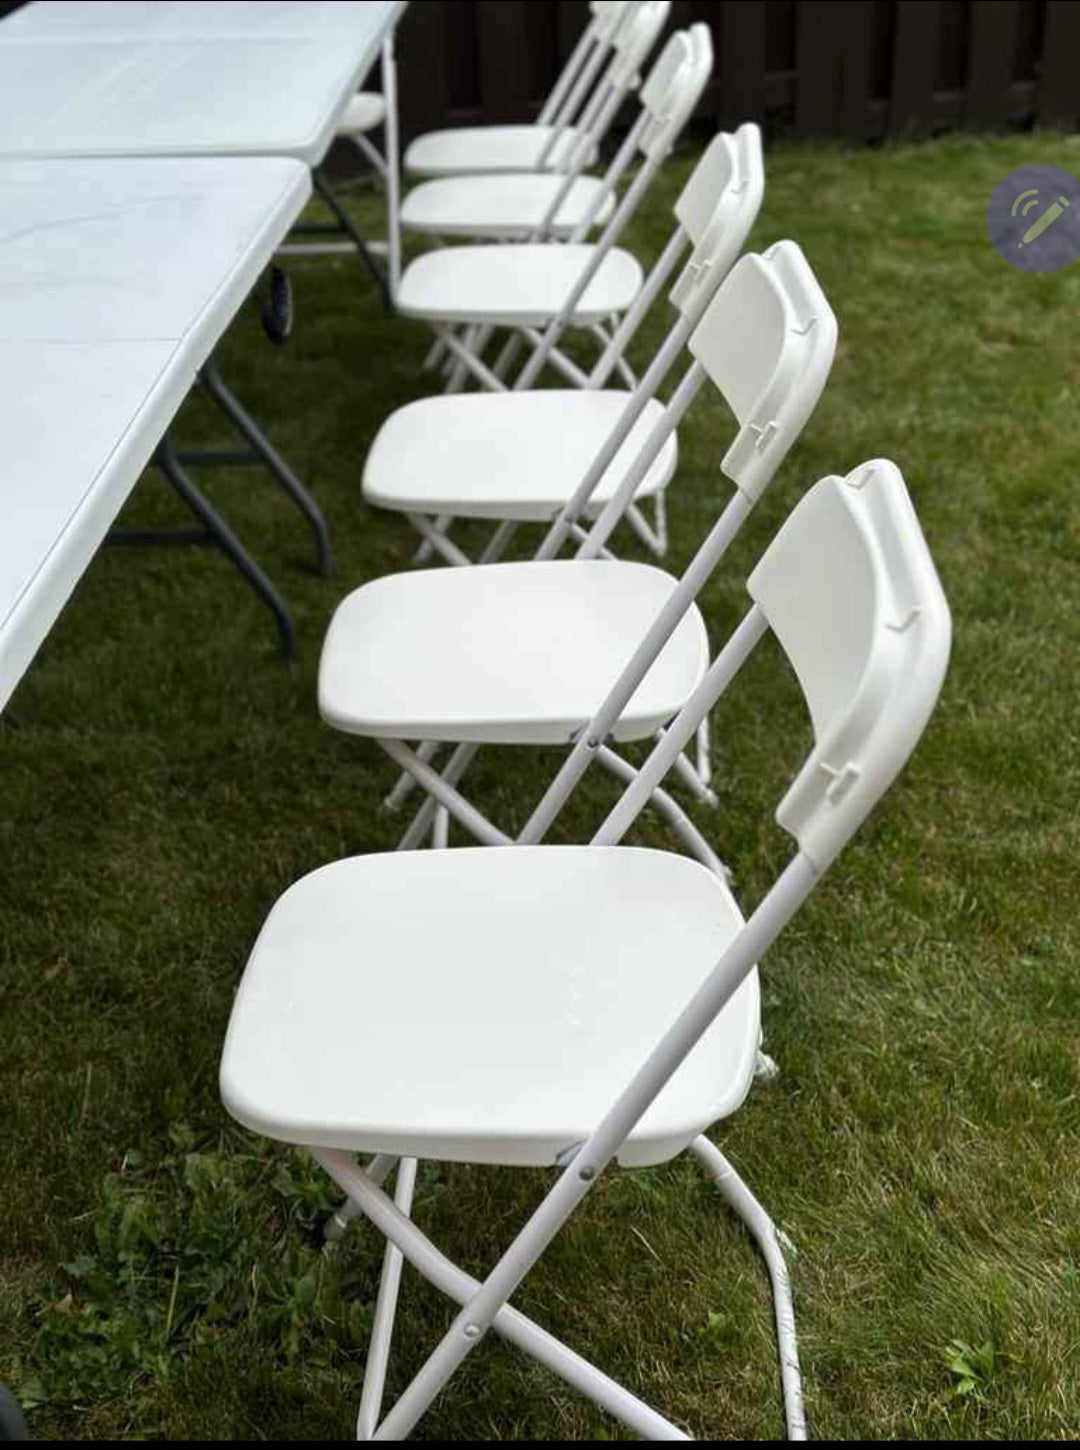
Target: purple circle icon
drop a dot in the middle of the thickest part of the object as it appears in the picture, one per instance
(1034, 218)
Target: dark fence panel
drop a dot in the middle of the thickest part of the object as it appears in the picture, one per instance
(856, 69)
(860, 70)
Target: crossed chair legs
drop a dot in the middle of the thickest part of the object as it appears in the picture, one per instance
(391, 1216)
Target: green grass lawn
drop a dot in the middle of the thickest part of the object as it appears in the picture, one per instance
(164, 778)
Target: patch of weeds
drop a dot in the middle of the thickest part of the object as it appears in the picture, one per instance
(177, 1257)
(972, 1368)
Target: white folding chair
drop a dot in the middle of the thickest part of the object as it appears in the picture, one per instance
(539, 290)
(519, 653)
(521, 456)
(575, 117)
(639, 964)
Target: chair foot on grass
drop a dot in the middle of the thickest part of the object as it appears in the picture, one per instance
(772, 1245)
(767, 1069)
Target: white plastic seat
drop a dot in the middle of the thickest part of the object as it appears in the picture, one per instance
(366, 111)
(519, 459)
(476, 150)
(516, 285)
(577, 115)
(520, 653)
(530, 1028)
(507, 207)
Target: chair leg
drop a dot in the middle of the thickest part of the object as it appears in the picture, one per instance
(767, 1237)
(767, 1069)
(687, 772)
(508, 1322)
(660, 522)
(704, 752)
(436, 539)
(405, 784)
(382, 1329)
(649, 536)
(496, 545)
(377, 1171)
(427, 549)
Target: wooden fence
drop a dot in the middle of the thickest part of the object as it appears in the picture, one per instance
(857, 69)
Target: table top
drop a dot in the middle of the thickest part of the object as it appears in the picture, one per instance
(117, 278)
(197, 19)
(225, 91)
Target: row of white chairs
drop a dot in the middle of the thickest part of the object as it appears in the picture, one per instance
(574, 1006)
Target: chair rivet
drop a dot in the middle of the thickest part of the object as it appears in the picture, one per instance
(472, 1331)
(587, 1175)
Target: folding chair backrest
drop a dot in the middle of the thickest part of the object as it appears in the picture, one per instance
(581, 72)
(608, 16)
(717, 209)
(850, 591)
(767, 340)
(634, 40)
(591, 108)
(674, 87)
(788, 373)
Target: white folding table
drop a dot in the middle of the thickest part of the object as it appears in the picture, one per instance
(176, 96)
(189, 78)
(194, 79)
(123, 19)
(117, 278)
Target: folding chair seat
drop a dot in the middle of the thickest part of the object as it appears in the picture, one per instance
(480, 150)
(580, 1006)
(520, 459)
(480, 1086)
(558, 285)
(508, 208)
(575, 117)
(365, 112)
(516, 286)
(521, 654)
(522, 454)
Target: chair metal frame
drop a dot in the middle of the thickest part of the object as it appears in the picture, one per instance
(851, 550)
